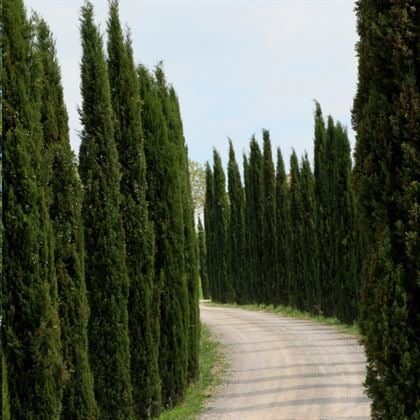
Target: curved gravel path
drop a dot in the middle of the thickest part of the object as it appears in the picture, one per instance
(284, 368)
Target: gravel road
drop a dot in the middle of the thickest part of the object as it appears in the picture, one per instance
(284, 368)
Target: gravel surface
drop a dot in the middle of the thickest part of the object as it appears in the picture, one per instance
(284, 368)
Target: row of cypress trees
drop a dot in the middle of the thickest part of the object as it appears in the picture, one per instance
(100, 259)
(285, 239)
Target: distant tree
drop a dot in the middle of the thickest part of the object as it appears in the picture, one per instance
(347, 239)
(144, 340)
(198, 186)
(283, 233)
(336, 220)
(30, 322)
(269, 266)
(106, 271)
(236, 227)
(297, 252)
(323, 172)
(65, 201)
(386, 118)
(254, 187)
(203, 260)
(209, 231)
(309, 240)
(225, 290)
(247, 284)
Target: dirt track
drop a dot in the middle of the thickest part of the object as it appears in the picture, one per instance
(283, 368)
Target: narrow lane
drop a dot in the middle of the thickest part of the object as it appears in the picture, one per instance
(284, 368)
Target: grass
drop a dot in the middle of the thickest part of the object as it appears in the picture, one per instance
(212, 367)
(295, 313)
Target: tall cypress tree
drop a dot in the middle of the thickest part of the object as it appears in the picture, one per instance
(346, 239)
(309, 244)
(106, 272)
(247, 289)
(209, 230)
(323, 154)
(255, 201)
(30, 323)
(283, 233)
(338, 262)
(166, 211)
(225, 291)
(296, 280)
(190, 239)
(385, 116)
(65, 192)
(203, 260)
(269, 266)
(139, 233)
(236, 227)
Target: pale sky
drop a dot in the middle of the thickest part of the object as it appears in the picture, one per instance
(237, 66)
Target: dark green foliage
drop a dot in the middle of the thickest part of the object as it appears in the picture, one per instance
(164, 179)
(209, 223)
(336, 221)
(269, 237)
(202, 248)
(65, 193)
(323, 156)
(297, 252)
(30, 322)
(236, 228)
(247, 288)
(309, 239)
(298, 256)
(386, 119)
(283, 233)
(302, 244)
(106, 272)
(190, 240)
(224, 285)
(5, 404)
(139, 234)
(254, 192)
(346, 238)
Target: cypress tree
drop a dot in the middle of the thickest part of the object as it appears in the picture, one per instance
(164, 182)
(106, 272)
(203, 260)
(385, 116)
(269, 266)
(283, 233)
(323, 156)
(190, 237)
(209, 226)
(225, 291)
(338, 262)
(65, 193)
(346, 234)
(255, 199)
(247, 289)
(30, 322)
(297, 282)
(139, 233)
(236, 228)
(309, 244)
